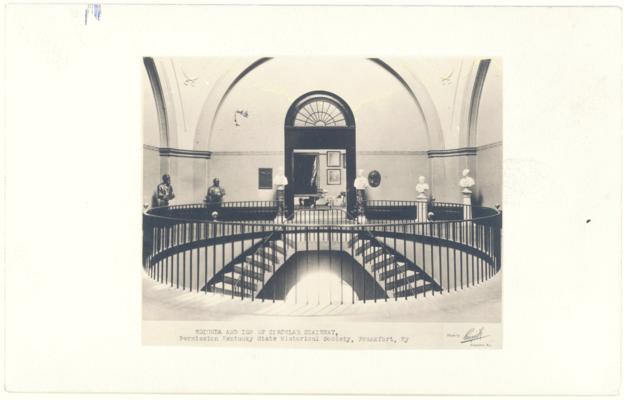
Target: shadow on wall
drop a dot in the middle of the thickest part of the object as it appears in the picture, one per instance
(477, 198)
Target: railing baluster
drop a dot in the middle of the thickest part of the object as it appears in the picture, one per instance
(447, 253)
(440, 255)
(341, 260)
(431, 235)
(318, 265)
(477, 241)
(330, 251)
(307, 265)
(423, 254)
(223, 262)
(453, 230)
(414, 259)
(364, 266)
(295, 240)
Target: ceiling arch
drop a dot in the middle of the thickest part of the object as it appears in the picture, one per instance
(241, 68)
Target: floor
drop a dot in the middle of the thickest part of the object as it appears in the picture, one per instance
(481, 303)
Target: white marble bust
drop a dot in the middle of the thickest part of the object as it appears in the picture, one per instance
(422, 187)
(280, 180)
(466, 182)
(360, 183)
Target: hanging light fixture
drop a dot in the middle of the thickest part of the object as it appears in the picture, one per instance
(243, 113)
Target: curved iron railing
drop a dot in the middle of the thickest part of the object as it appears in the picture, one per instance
(248, 253)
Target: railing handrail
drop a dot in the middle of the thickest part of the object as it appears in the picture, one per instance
(404, 222)
(377, 247)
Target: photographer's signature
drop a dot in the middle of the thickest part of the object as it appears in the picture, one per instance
(473, 334)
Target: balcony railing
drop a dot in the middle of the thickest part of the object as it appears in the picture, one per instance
(246, 252)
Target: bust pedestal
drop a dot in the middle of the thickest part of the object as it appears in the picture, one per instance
(281, 208)
(360, 204)
(466, 204)
(422, 207)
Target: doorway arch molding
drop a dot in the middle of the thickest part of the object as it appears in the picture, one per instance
(320, 96)
(319, 137)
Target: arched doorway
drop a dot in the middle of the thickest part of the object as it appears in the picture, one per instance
(319, 120)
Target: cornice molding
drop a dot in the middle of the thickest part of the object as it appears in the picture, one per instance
(392, 153)
(490, 145)
(464, 151)
(247, 153)
(169, 152)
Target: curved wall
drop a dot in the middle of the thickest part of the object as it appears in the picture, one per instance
(381, 106)
(403, 109)
(489, 172)
(388, 122)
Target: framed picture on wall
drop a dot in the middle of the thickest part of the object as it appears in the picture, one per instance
(334, 177)
(265, 178)
(334, 158)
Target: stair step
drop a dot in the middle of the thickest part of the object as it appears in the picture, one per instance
(268, 256)
(363, 247)
(279, 245)
(414, 290)
(249, 270)
(375, 254)
(237, 283)
(401, 275)
(258, 262)
(230, 292)
(403, 282)
(269, 249)
(382, 261)
(290, 242)
(393, 270)
(355, 239)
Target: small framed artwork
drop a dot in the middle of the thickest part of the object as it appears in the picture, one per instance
(265, 178)
(334, 177)
(334, 158)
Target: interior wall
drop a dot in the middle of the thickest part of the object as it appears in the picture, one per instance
(238, 174)
(489, 119)
(151, 134)
(488, 173)
(391, 133)
(151, 173)
(448, 83)
(490, 176)
(446, 173)
(381, 105)
(151, 141)
(399, 174)
(186, 187)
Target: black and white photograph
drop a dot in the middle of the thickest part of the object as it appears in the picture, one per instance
(325, 199)
(408, 229)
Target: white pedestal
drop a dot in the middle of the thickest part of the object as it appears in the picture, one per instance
(281, 208)
(422, 209)
(466, 204)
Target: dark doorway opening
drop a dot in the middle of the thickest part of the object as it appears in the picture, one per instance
(318, 120)
(305, 175)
